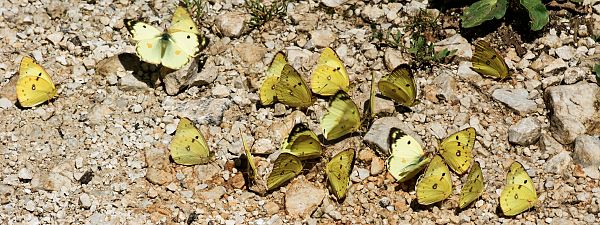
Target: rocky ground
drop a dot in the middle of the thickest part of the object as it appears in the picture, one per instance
(97, 153)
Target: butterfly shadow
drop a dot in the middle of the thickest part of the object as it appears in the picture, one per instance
(131, 62)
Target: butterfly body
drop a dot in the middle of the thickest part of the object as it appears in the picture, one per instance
(34, 86)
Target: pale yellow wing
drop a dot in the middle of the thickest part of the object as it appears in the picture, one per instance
(473, 188)
(407, 158)
(330, 75)
(342, 117)
(267, 92)
(188, 146)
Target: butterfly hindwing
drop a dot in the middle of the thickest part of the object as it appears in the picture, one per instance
(285, 167)
(457, 148)
(338, 172)
(292, 90)
(188, 146)
(487, 61)
(342, 117)
(473, 188)
(407, 158)
(34, 86)
(435, 184)
(400, 86)
(303, 143)
(330, 74)
(519, 193)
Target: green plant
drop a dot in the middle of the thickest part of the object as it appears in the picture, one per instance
(423, 29)
(261, 14)
(485, 10)
(196, 7)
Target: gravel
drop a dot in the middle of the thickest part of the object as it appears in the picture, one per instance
(98, 154)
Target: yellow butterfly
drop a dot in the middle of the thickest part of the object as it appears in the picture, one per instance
(487, 61)
(292, 90)
(251, 167)
(519, 193)
(338, 172)
(407, 158)
(473, 188)
(286, 167)
(457, 150)
(34, 86)
(342, 117)
(267, 92)
(400, 86)
(372, 96)
(330, 75)
(302, 142)
(172, 49)
(188, 146)
(435, 184)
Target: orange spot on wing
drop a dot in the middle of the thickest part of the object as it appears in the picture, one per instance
(149, 45)
(177, 52)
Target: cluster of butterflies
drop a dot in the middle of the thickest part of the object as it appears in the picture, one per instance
(182, 41)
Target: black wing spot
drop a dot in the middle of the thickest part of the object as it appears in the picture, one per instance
(408, 143)
(188, 37)
(434, 186)
(40, 74)
(33, 87)
(516, 196)
(457, 153)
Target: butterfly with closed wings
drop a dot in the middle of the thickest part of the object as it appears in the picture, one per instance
(34, 86)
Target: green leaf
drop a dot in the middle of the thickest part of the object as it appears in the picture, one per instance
(482, 11)
(537, 13)
(597, 71)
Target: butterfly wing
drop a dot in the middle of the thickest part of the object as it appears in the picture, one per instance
(303, 143)
(400, 86)
(435, 185)
(457, 150)
(251, 167)
(175, 54)
(34, 86)
(518, 175)
(149, 45)
(342, 117)
(188, 146)
(182, 22)
(473, 188)
(487, 61)
(285, 167)
(330, 75)
(292, 90)
(338, 172)
(267, 92)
